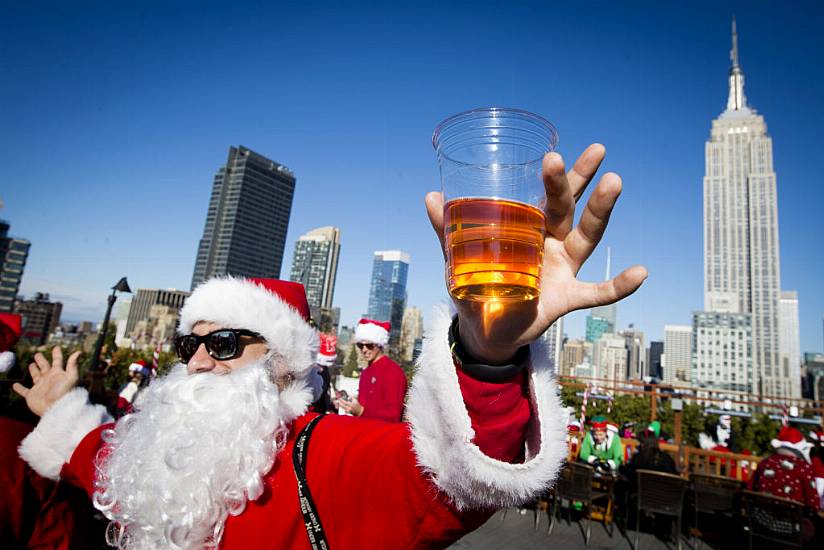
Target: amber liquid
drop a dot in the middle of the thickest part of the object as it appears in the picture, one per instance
(494, 249)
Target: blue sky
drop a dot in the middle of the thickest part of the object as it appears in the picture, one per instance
(115, 116)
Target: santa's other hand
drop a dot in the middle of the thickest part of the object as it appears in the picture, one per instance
(50, 380)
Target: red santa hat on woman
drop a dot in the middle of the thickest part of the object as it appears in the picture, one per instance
(10, 330)
(277, 310)
(373, 332)
(791, 438)
(328, 352)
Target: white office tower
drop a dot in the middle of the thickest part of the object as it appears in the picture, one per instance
(609, 358)
(789, 339)
(554, 339)
(741, 257)
(723, 351)
(677, 359)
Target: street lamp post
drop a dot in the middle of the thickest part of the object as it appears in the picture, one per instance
(121, 286)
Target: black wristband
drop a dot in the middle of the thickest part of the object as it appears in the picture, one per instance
(480, 371)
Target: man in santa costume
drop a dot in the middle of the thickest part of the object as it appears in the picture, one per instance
(382, 384)
(787, 472)
(221, 451)
(602, 444)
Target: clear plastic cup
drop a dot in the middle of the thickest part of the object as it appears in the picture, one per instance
(494, 200)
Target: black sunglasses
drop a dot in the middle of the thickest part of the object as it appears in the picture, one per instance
(362, 345)
(223, 344)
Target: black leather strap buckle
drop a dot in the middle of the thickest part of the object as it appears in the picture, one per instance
(496, 374)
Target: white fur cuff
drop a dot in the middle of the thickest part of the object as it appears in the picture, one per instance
(442, 433)
(51, 444)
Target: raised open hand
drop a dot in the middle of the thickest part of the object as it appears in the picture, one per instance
(491, 331)
(50, 380)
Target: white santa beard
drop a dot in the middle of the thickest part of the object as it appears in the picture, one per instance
(194, 452)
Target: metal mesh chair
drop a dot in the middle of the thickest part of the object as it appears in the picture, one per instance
(575, 484)
(715, 495)
(660, 493)
(774, 519)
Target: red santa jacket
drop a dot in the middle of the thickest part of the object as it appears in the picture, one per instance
(789, 477)
(468, 448)
(37, 512)
(382, 389)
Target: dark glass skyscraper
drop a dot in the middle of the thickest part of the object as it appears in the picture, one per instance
(13, 254)
(245, 231)
(387, 292)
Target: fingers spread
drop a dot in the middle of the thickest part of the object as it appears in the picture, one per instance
(560, 204)
(57, 357)
(582, 241)
(434, 208)
(20, 389)
(585, 168)
(34, 370)
(71, 368)
(42, 362)
(599, 294)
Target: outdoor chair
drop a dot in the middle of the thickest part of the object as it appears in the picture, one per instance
(575, 484)
(716, 495)
(774, 519)
(662, 494)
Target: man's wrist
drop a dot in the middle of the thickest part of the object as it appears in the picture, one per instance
(480, 369)
(498, 355)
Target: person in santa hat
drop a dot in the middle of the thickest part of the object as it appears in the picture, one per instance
(602, 444)
(128, 393)
(817, 461)
(787, 472)
(326, 358)
(10, 330)
(221, 452)
(382, 384)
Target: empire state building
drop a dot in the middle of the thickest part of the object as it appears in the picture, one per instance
(741, 258)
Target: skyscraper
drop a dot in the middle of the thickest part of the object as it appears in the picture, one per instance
(677, 358)
(654, 352)
(13, 254)
(145, 298)
(608, 312)
(411, 332)
(245, 231)
(741, 257)
(789, 339)
(40, 317)
(609, 357)
(315, 265)
(554, 339)
(636, 353)
(723, 350)
(596, 326)
(387, 291)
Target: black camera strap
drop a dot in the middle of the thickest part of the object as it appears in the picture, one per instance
(311, 518)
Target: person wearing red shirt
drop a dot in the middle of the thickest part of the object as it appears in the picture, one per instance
(221, 451)
(787, 473)
(382, 384)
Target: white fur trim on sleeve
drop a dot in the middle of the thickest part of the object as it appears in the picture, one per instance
(442, 433)
(51, 444)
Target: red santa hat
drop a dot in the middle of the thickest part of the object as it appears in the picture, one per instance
(612, 427)
(574, 427)
(10, 331)
(277, 310)
(328, 352)
(371, 331)
(599, 423)
(137, 366)
(790, 438)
